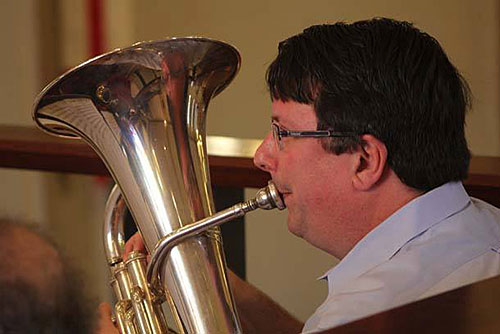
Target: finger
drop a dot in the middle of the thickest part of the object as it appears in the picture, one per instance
(135, 243)
(104, 310)
(105, 325)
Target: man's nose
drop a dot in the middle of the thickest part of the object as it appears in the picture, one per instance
(264, 155)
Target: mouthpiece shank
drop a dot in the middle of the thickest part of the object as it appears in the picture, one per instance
(266, 198)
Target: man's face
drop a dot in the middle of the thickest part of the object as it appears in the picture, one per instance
(315, 184)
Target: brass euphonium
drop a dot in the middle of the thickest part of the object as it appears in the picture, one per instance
(142, 109)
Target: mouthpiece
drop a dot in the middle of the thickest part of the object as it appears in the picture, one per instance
(266, 198)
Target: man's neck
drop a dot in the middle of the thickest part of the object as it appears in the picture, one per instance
(377, 205)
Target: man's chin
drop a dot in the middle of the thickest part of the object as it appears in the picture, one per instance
(295, 229)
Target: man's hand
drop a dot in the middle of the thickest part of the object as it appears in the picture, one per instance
(135, 243)
(105, 325)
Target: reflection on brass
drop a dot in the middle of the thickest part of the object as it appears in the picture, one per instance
(143, 110)
(137, 294)
(103, 94)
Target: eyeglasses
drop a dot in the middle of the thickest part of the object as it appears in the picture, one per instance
(279, 133)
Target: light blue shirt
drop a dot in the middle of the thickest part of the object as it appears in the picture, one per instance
(439, 241)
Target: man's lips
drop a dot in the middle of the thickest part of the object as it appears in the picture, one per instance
(285, 195)
(283, 192)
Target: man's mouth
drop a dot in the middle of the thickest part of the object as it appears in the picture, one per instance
(281, 189)
(284, 193)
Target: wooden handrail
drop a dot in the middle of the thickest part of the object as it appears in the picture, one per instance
(230, 165)
(30, 148)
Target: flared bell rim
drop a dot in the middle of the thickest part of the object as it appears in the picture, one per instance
(142, 45)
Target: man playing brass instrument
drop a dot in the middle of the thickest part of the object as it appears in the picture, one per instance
(368, 149)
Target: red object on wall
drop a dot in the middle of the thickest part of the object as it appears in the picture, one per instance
(95, 27)
(95, 35)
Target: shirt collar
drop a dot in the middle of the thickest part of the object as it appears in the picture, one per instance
(387, 238)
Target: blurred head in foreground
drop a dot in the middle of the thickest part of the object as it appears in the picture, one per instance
(38, 291)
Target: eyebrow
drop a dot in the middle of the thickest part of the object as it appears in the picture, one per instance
(276, 119)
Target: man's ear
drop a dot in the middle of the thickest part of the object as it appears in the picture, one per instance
(371, 159)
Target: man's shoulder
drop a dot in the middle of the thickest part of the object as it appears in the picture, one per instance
(486, 208)
(462, 249)
(478, 224)
(469, 245)
(485, 266)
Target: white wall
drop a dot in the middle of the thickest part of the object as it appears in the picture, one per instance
(21, 195)
(468, 30)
